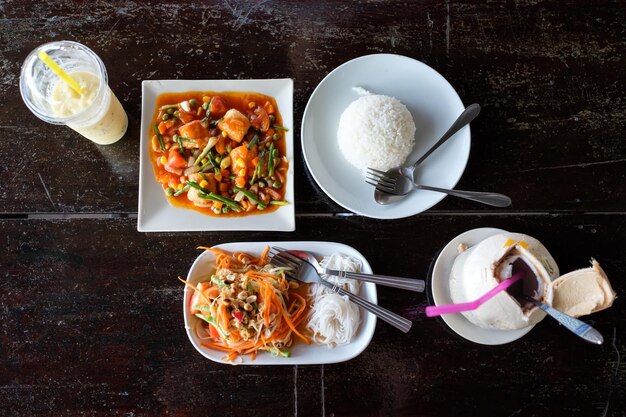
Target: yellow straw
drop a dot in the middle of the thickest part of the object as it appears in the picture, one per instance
(58, 71)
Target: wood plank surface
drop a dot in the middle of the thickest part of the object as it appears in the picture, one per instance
(549, 78)
(92, 327)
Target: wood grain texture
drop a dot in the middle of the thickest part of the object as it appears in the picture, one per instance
(90, 314)
(89, 327)
(547, 75)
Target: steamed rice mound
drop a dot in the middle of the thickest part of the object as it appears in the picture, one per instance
(376, 131)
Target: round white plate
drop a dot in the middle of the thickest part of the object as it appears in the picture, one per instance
(441, 292)
(434, 105)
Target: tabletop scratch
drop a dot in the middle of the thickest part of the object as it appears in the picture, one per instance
(295, 391)
(47, 192)
(615, 372)
(106, 35)
(581, 165)
(429, 24)
(447, 27)
(322, 396)
(241, 17)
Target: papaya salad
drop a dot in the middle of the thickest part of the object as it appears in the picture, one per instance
(221, 154)
(247, 306)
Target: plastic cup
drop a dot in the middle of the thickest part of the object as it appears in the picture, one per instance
(97, 114)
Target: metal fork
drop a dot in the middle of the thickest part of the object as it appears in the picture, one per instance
(305, 272)
(402, 185)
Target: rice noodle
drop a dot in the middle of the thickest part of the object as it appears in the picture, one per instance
(334, 320)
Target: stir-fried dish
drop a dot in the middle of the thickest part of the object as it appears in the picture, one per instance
(220, 153)
(247, 306)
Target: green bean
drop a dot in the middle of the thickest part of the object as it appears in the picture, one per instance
(216, 166)
(250, 196)
(180, 145)
(254, 140)
(211, 321)
(270, 161)
(182, 190)
(279, 203)
(168, 106)
(284, 129)
(232, 204)
(219, 282)
(257, 169)
(159, 137)
(197, 187)
(208, 111)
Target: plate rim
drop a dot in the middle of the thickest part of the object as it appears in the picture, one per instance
(457, 322)
(368, 291)
(304, 147)
(282, 220)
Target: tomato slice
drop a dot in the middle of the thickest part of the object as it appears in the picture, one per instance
(261, 119)
(176, 160)
(196, 299)
(218, 107)
(213, 332)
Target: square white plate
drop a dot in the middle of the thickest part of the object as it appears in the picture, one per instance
(301, 354)
(157, 215)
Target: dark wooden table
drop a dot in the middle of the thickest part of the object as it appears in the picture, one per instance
(90, 320)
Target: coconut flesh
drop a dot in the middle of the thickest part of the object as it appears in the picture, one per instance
(481, 267)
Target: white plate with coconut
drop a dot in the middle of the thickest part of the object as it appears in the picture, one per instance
(478, 260)
(345, 130)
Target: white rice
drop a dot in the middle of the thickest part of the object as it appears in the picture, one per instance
(376, 131)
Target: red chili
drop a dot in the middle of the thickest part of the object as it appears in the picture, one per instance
(238, 315)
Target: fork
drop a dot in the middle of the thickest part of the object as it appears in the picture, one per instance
(401, 185)
(409, 284)
(305, 272)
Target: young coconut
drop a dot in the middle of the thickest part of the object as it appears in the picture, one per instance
(483, 266)
(582, 292)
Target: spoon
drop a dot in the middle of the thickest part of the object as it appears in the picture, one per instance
(578, 327)
(467, 116)
(434, 311)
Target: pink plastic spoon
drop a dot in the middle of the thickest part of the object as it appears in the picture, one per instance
(434, 311)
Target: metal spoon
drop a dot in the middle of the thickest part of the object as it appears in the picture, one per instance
(578, 327)
(467, 116)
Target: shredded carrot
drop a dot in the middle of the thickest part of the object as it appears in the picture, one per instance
(278, 309)
(264, 255)
(195, 289)
(215, 346)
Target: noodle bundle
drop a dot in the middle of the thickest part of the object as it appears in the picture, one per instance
(334, 319)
